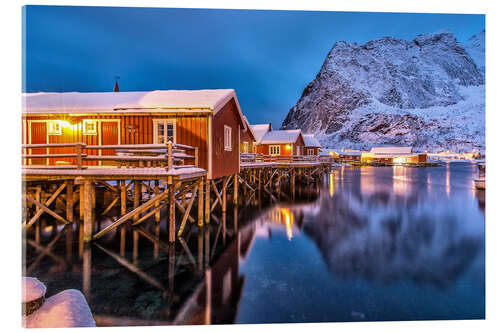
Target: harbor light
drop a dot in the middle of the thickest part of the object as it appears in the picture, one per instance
(288, 147)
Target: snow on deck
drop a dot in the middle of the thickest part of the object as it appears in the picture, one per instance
(103, 172)
(281, 136)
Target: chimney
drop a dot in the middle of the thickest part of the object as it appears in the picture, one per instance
(116, 88)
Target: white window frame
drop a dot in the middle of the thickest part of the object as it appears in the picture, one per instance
(54, 128)
(227, 138)
(89, 121)
(245, 146)
(277, 149)
(165, 122)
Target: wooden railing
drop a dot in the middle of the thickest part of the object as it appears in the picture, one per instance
(258, 158)
(168, 155)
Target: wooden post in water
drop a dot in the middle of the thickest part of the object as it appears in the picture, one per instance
(156, 191)
(135, 246)
(87, 210)
(87, 270)
(137, 197)
(208, 297)
(207, 201)
(171, 217)
(123, 198)
(235, 186)
(69, 200)
(200, 203)
(224, 196)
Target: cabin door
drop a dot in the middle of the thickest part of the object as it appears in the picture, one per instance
(109, 133)
(38, 135)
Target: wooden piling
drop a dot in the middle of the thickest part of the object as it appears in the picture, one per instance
(87, 210)
(156, 191)
(123, 198)
(69, 200)
(207, 201)
(137, 196)
(200, 203)
(235, 190)
(224, 196)
(171, 217)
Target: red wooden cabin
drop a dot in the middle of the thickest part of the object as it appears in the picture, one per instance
(283, 142)
(311, 145)
(207, 119)
(247, 138)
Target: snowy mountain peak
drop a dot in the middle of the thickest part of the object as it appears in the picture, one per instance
(391, 82)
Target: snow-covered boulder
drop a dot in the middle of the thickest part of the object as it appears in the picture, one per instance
(68, 308)
(32, 289)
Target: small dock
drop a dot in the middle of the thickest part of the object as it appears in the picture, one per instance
(140, 181)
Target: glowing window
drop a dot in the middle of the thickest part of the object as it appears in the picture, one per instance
(274, 150)
(245, 147)
(54, 127)
(89, 127)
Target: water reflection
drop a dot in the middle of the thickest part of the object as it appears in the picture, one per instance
(377, 244)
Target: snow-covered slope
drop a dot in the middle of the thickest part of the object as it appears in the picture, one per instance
(428, 93)
(475, 47)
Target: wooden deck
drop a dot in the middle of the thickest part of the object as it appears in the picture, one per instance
(140, 180)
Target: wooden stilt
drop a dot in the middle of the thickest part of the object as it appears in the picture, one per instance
(81, 201)
(135, 245)
(171, 217)
(200, 203)
(137, 197)
(87, 210)
(87, 271)
(235, 190)
(224, 196)
(122, 240)
(207, 201)
(156, 191)
(123, 198)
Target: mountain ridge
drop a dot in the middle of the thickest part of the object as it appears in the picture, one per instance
(393, 91)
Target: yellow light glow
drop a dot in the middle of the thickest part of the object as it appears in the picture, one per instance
(288, 146)
(64, 123)
(287, 214)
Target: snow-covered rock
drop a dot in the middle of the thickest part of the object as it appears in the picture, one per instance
(32, 289)
(65, 309)
(475, 48)
(427, 93)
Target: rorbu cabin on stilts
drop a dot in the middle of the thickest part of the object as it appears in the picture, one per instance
(168, 143)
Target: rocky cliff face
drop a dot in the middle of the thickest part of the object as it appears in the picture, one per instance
(428, 93)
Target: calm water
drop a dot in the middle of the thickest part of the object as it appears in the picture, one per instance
(368, 244)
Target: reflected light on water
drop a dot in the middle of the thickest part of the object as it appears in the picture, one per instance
(331, 184)
(288, 218)
(448, 186)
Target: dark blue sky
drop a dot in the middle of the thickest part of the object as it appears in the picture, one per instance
(268, 57)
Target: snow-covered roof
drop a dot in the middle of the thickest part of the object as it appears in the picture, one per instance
(350, 153)
(137, 101)
(261, 129)
(249, 127)
(282, 136)
(391, 150)
(311, 141)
